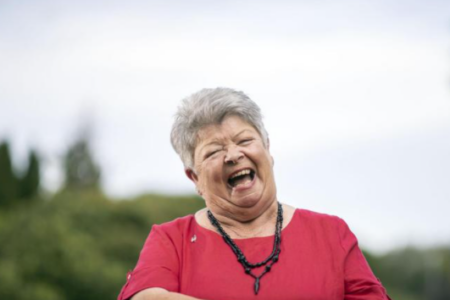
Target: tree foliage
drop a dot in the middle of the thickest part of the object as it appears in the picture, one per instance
(81, 248)
(81, 171)
(412, 274)
(17, 188)
(29, 183)
(8, 179)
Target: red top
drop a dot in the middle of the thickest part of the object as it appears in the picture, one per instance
(319, 259)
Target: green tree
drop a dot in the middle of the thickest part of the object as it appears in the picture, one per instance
(29, 183)
(8, 180)
(81, 171)
(79, 245)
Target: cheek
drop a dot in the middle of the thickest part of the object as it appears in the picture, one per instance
(264, 159)
(211, 175)
(260, 154)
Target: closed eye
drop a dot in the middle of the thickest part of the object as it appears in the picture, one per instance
(245, 141)
(209, 154)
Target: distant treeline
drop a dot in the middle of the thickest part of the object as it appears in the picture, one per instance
(413, 274)
(19, 187)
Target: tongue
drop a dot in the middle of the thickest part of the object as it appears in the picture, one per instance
(241, 180)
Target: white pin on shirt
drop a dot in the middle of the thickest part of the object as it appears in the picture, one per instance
(193, 239)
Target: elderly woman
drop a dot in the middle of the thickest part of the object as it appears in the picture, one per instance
(245, 244)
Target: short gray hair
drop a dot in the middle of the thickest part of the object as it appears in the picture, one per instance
(206, 107)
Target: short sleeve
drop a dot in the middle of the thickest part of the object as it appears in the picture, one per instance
(360, 282)
(158, 265)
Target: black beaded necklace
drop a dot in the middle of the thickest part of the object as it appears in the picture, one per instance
(268, 262)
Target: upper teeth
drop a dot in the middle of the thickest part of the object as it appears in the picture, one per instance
(240, 173)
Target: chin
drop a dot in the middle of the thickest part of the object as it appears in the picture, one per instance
(246, 202)
(249, 201)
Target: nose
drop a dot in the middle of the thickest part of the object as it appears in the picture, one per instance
(233, 155)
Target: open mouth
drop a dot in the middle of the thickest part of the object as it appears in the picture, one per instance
(242, 177)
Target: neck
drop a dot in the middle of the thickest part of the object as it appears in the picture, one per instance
(258, 225)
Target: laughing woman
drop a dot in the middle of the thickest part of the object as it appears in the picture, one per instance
(245, 244)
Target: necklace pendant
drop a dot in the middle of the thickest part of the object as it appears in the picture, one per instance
(256, 285)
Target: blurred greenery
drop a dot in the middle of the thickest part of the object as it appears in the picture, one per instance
(8, 180)
(17, 188)
(412, 274)
(80, 244)
(29, 182)
(80, 169)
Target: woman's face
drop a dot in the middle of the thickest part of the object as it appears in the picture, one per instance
(233, 168)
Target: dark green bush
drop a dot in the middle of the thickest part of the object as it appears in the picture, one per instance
(78, 245)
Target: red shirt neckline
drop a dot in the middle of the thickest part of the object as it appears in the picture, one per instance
(212, 232)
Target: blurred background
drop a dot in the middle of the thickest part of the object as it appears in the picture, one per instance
(355, 96)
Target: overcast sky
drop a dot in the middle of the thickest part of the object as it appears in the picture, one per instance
(355, 96)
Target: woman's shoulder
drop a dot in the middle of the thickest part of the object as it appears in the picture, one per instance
(329, 227)
(176, 227)
(306, 213)
(178, 222)
(312, 218)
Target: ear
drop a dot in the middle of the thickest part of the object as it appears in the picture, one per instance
(194, 178)
(191, 175)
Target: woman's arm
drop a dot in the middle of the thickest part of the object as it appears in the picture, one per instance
(157, 270)
(360, 282)
(160, 294)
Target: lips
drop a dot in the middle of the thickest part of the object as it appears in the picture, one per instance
(241, 178)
